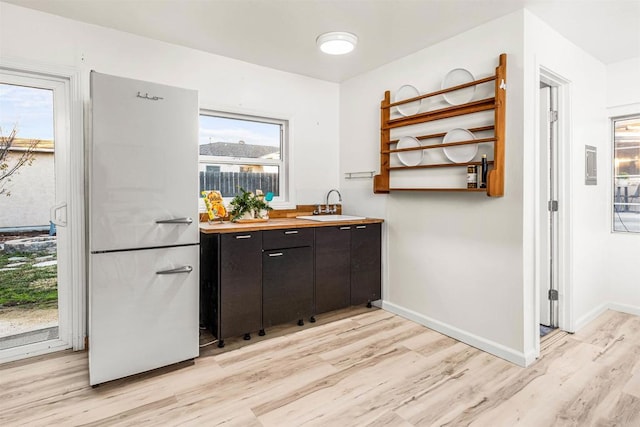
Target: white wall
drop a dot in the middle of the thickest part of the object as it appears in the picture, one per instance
(454, 260)
(465, 264)
(583, 209)
(623, 84)
(623, 249)
(223, 83)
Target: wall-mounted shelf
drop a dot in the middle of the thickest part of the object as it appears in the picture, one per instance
(497, 103)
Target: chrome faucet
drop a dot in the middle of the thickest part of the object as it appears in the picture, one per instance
(333, 209)
(329, 193)
(328, 209)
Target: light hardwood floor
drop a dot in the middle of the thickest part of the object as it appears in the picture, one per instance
(364, 368)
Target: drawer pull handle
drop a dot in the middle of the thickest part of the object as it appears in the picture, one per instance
(276, 254)
(345, 228)
(183, 269)
(291, 232)
(361, 226)
(246, 236)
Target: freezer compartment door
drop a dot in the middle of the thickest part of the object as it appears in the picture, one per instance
(143, 311)
(143, 164)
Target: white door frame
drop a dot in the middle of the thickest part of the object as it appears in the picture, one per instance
(67, 98)
(564, 153)
(548, 241)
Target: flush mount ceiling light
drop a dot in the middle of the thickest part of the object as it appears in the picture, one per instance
(337, 42)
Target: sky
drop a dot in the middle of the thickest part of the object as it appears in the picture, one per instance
(30, 109)
(220, 129)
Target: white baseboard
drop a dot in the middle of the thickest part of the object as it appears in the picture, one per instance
(590, 316)
(624, 308)
(476, 341)
(593, 314)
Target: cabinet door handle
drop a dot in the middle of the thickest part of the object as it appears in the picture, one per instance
(291, 232)
(361, 226)
(345, 228)
(245, 236)
(276, 254)
(183, 269)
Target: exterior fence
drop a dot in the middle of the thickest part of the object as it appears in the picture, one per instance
(229, 183)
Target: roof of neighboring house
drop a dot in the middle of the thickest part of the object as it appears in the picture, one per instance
(237, 149)
(21, 144)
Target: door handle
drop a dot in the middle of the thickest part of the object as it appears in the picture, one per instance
(276, 254)
(178, 270)
(53, 215)
(185, 220)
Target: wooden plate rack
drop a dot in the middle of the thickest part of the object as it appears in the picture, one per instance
(495, 177)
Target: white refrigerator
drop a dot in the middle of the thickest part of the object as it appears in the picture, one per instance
(143, 227)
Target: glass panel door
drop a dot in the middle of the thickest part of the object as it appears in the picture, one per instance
(33, 311)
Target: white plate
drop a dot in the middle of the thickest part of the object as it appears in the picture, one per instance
(459, 153)
(409, 158)
(407, 92)
(456, 77)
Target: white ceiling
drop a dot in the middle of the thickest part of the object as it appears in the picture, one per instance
(281, 33)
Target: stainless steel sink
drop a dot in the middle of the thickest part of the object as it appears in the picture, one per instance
(327, 218)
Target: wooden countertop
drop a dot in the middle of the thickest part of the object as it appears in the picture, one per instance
(275, 224)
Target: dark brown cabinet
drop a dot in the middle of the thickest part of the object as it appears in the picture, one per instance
(287, 280)
(232, 293)
(250, 281)
(333, 268)
(348, 266)
(287, 276)
(365, 263)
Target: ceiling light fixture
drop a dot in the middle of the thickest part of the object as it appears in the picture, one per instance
(337, 42)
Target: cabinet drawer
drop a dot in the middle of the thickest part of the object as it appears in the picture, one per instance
(250, 240)
(291, 238)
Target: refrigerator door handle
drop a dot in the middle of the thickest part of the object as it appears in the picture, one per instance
(183, 269)
(185, 220)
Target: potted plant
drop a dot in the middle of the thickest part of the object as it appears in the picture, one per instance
(247, 206)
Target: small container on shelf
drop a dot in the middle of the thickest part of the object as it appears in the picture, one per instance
(472, 176)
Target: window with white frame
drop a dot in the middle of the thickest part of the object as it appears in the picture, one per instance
(626, 174)
(242, 151)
